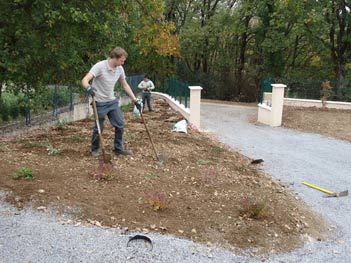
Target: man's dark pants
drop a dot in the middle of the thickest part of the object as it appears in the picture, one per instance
(112, 111)
(147, 98)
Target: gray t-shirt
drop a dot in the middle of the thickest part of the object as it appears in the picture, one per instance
(105, 79)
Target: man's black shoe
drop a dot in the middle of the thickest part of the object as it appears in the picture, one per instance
(95, 153)
(122, 152)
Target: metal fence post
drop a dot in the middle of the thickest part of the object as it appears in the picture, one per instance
(186, 88)
(27, 110)
(71, 106)
(54, 112)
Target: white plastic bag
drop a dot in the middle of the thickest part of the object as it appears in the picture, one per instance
(180, 126)
(136, 112)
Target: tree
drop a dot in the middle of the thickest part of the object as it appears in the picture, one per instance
(153, 39)
(335, 17)
(54, 41)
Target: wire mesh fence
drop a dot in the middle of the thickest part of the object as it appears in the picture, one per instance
(173, 86)
(24, 105)
(313, 89)
(17, 106)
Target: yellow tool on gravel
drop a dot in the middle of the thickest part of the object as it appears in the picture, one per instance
(330, 193)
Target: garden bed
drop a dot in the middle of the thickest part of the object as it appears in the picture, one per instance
(203, 191)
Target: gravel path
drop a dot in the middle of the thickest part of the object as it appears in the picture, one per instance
(292, 157)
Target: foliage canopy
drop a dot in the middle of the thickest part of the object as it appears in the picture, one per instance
(228, 47)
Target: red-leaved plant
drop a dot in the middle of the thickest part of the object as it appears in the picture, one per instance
(157, 200)
(104, 171)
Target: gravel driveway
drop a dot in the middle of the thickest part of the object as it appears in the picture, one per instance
(292, 157)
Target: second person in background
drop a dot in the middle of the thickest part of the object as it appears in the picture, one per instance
(146, 85)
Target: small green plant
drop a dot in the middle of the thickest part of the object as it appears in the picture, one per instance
(77, 138)
(200, 162)
(255, 209)
(217, 149)
(215, 152)
(51, 150)
(25, 172)
(149, 176)
(60, 125)
(157, 200)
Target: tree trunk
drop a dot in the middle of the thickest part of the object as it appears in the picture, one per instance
(340, 80)
(243, 45)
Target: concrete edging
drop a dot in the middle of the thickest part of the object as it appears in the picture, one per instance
(317, 103)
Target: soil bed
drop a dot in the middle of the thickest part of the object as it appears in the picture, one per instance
(204, 191)
(329, 122)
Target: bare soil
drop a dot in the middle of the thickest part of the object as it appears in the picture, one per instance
(203, 191)
(328, 122)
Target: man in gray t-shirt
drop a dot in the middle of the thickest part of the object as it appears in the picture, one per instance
(104, 76)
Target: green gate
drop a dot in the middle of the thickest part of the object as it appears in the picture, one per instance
(266, 86)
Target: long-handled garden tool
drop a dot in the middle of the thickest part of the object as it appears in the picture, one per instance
(106, 157)
(161, 157)
(330, 193)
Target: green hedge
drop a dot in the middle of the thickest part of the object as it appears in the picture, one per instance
(13, 106)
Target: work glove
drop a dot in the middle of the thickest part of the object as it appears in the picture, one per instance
(138, 104)
(91, 91)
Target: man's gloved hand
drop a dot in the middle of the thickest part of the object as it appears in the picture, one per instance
(138, 104)
(91, 91)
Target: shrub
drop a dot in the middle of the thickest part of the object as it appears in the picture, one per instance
(4, 111)
(11, 106)
(157, 200)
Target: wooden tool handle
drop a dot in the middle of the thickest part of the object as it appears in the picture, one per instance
(98, 125)
(148, 133)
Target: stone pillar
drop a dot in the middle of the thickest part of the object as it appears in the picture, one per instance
(272, 113)
(195, 102)
(277, 104)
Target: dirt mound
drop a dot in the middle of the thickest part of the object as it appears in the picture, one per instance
(203, 191)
